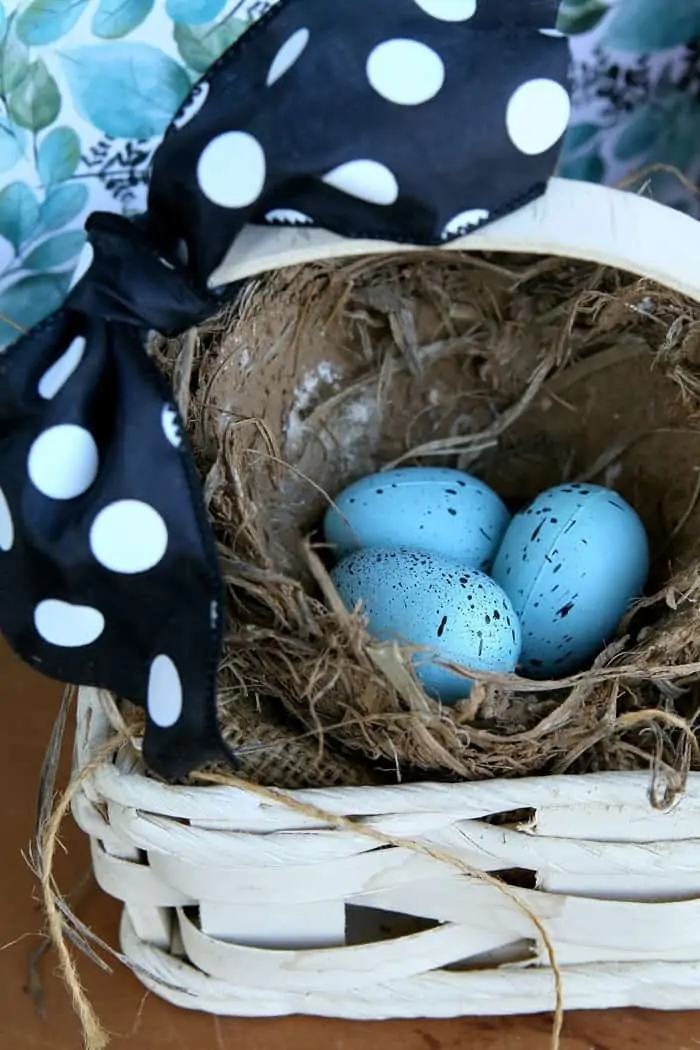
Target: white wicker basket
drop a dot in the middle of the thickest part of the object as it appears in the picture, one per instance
(236, 904)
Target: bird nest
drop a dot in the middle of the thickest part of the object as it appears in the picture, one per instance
(525, 371)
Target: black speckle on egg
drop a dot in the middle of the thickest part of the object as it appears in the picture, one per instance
(535, 663)
(464, 580)
(480, 636)
(421, 527)
(555, 588)
(536, 605)
(512, 633)
(452, 492)
(487, 619)
(441, 628)
(570, 526)
(461, 484)
(496, 614)
(380, 492)
(617, 506)
(565, 610)
(556, 568)
(554, 521)
(485, 534)
(452, 511)
(536, 532)
(351, 500)
(508, 571)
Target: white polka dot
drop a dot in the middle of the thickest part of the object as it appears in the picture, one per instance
(166, 263)
(7, 528)
(557, 33)
(69, 626)
(449, 10)
(128, 537)
(85, 261)
(365, 179)
(192, 107)
(537, 115)
(55, 377)
(231, 170)
(164, 698)
(461, 222)
(405, 72)
(214, 615)
(63, 462)
(287, 55)
(182, 253)
(170, 422)
(288, 215)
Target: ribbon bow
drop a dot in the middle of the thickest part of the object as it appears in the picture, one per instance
(410, 121)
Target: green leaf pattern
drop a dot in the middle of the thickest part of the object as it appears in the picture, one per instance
(636, 107)
(87, 89)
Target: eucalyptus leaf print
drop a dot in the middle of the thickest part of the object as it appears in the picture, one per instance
(580, 16)
(56, 252)
(117, 18)
(126, 90)
(58, 156)
(19, 214)
(636, 77)
(35, 102)
(62, 205)
(194, 12)
(653, 25)
(14, 62)
(12, 139)
(28, 301)
(45, 21)
(200, 46)
(87, 90)
(580, 156)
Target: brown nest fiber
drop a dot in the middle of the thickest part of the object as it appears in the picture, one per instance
(525, 371)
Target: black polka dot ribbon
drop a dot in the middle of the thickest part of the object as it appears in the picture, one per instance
(411, 121)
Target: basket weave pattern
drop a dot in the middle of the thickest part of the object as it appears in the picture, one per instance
(237, 905)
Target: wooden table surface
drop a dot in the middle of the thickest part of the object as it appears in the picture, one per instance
(141, 1022)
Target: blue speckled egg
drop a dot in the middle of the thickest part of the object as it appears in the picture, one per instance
(436, 509)
(571, 563)
(417, 598)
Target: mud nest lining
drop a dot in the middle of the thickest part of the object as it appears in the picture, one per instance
(525, 371)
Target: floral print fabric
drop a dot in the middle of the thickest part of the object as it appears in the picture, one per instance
(87, 89)
(636, 98)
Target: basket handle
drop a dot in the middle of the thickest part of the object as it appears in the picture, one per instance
(581, 220)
